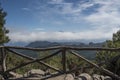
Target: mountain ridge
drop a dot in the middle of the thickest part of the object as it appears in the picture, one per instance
(44, 44)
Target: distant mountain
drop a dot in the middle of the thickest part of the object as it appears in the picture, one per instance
(44, 44)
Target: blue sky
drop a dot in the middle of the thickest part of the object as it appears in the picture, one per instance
(61, 20)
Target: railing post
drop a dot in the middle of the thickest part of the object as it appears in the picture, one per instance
(3, 62)
(3, 59)
(64, 58)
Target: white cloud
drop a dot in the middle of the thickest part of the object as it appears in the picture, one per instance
(108, 11)
(107, 16)
(56, 1)
(26, 9)
(59, 36)
(39, 29)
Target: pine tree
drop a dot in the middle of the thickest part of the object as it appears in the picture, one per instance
(3, 31)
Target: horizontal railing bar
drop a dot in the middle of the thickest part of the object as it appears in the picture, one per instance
(66, 47)
(34, 49)
(30, 58)
(1, 46)
(94, 48)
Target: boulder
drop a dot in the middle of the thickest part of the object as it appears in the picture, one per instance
(16, 75)
(63, 77)
(107, 78)
(98, 77)
(35, 73)
(84, 76)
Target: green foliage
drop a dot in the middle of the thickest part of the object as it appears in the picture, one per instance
(111, 58)
(3, 31)
(14, 60)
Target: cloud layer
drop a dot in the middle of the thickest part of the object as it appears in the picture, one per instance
(60, 36)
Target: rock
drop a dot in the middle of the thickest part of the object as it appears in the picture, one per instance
(16, 75)
(101, 77)
(35, 73)
(98, 77)
(63, 77)
(84, 76)
(69, 77)
(107, 78)
(1, 78)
